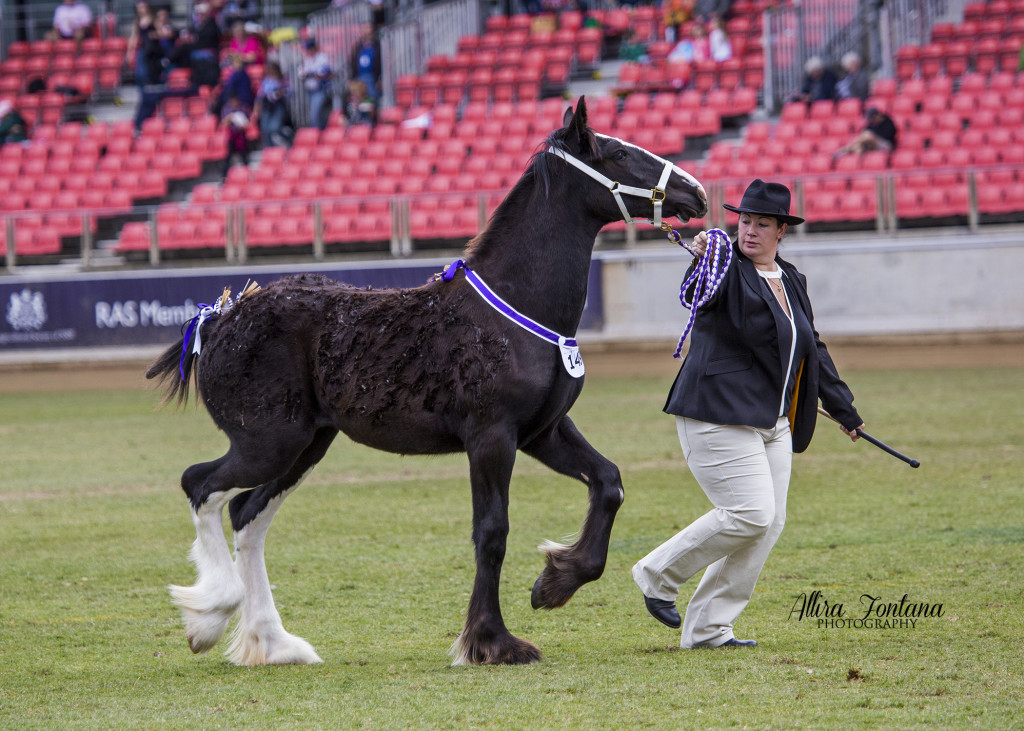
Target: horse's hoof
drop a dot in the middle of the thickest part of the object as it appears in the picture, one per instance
(536, 600)
(542, 597)
(506, 649)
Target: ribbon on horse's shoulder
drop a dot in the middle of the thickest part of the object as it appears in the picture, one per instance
(570, 349)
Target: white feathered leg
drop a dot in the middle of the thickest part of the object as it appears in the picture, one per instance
(260, 637)
(208, 605)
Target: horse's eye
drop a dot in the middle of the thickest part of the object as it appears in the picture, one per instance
(619, 155)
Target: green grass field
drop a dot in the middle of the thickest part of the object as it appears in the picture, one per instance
(373, 564)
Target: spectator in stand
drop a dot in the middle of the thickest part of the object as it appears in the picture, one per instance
(12, 125)
(204, 47)
(879, 134)
(166, 34)
(234, 118)
(238, 82)
(701, 43)
(365, 64)
(694, 49)
(272, 108)
(856, 84)
(136, 52)
(685, 49)
(151, 63)
(317, 75)
(72, 20)
(707, 10)
(632, 48)
(676, 12)
(361, 108)
(239, 11)
(718, 41)
(819, 82)
(246, 45)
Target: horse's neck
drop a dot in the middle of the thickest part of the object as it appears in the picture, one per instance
(538, 260)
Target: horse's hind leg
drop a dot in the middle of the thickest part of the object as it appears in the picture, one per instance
(208, 605)
(253, 459)
(565, 450)
(260, 637)
(485, 640)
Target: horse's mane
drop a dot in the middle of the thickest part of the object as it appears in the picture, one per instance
(537, 176)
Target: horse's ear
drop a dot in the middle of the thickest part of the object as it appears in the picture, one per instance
(575, 124)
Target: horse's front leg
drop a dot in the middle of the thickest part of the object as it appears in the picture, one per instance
(564, 450)
(485, 640)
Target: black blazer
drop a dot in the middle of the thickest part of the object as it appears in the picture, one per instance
(735, 369)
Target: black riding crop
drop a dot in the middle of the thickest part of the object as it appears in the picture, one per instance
(877, 442)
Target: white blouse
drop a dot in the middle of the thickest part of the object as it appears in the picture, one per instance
(777, 274)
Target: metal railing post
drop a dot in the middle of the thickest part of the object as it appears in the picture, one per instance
(229, 234)
(880, 204)
(893, 213)
(154, 240)
(406, 225)
(394, 208)
(86, 241)
(318, 232)
(481, 208)
(630, 235)
(12, 254)
(972, 202)
(241, 250)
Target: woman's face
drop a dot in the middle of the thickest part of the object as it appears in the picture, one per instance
(759, 237)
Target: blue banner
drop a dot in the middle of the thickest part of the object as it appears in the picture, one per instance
(149, 308)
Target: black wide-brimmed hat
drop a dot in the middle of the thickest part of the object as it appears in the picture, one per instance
(766, 199)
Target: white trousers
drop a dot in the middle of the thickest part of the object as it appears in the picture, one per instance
(745, 474)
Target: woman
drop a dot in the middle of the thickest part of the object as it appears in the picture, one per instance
(234, 118)
(246, 45)
(272, 108)
(745, 399)
(317, 76)
(138, 43)
(718, 41)
(879, 134)
(676, 13)
(365, 64)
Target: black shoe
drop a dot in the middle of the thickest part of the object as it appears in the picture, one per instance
(733, 642)
(664, 611)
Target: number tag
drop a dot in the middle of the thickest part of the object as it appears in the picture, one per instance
(571, 358)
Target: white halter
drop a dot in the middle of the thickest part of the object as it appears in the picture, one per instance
(656, 195)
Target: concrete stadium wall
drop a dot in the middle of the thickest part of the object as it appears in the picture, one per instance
(926, 283)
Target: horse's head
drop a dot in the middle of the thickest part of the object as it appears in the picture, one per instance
(639, 183)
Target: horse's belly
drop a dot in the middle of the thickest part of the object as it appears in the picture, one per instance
(412, 435)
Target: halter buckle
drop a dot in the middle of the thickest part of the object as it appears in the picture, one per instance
(657, 195)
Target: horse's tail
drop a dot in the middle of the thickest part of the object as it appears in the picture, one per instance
(174, 368)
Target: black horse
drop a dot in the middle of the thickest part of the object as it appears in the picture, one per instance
(434, 369)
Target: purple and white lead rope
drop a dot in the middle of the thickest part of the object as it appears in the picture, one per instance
(706, 277)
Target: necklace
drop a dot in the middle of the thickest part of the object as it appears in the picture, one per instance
(774, 280)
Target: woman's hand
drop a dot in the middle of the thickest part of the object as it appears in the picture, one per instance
(854, 436)
(700, 244)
